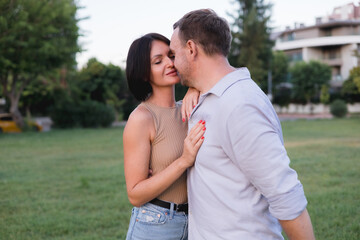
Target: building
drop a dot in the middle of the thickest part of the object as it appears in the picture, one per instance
(333, 39)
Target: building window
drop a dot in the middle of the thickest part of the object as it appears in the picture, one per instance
(327, 32)
(291, 36)
(295, 56)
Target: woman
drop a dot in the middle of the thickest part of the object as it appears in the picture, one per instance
(155, 138)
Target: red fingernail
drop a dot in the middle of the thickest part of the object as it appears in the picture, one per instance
(202, 137)
(203, 122)
(204, 128)
(183, 119)
(200, 121)
(194, 106)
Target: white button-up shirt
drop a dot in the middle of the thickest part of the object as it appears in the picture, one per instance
(241, 182)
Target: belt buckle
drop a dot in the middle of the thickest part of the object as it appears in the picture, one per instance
(180, 208)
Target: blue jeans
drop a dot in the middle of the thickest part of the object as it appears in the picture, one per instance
(151, 222)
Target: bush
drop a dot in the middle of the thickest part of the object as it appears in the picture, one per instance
(95, 114)
(67, 114)
(338, 108)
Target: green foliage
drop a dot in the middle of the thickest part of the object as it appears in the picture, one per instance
(251, 44)
(324, 94)
(355, 77)
(338, 108)
(279, 67)
(357, 83)
(36, 37)
(282, 94)
(88, 114)
(102, 83)
(180, 91)
(350, 90)
(308, 77)
(96, 114)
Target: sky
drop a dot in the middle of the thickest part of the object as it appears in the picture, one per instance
(112, 25)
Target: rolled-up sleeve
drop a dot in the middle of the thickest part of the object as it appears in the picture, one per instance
(255, 141)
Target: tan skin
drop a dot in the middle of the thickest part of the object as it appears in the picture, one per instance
(140, 131)
(205, 71)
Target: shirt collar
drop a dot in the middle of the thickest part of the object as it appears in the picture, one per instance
(228, 80)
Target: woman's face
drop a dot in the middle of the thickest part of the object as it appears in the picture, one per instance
(163, 72)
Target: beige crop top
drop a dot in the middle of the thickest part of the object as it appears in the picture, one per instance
(167, 146)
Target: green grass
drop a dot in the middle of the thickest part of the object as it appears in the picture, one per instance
(66, 184)
(326, 155)
(69, 184)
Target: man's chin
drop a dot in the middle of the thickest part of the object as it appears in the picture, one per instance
(184, 83)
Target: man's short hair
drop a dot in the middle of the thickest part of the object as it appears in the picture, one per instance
(206, 28)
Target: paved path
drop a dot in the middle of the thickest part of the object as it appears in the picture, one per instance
(291, 117)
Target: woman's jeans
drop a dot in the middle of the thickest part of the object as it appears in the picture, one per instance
(151, 222)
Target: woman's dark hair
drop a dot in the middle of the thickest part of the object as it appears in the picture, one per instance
(138, 65)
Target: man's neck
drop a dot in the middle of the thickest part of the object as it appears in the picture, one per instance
(211, 71)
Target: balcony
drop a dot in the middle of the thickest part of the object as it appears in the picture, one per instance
(333, 62)
(317, 42)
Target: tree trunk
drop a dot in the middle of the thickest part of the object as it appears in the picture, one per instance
(14, 96)
(14, 110)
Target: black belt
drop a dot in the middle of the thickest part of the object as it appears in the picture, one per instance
(177, 207)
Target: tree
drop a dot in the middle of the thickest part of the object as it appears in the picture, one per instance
(36, 38)
(308, 77)
(251, 45)
(355, 76)
(102, 83)
(324, 94)
(279, 69)
(350, 89)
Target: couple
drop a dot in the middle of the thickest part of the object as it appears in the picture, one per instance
(241, 185)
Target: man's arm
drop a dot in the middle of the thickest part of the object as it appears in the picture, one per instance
(299, 228)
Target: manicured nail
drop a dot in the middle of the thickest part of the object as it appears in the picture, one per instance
(183, 119)
(200, 121)
(194, 106)
(204, 128)
(203, 122)
(202, 137)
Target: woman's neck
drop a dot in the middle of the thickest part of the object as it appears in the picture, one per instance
(164, 97)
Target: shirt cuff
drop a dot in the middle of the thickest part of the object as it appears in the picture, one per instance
(290, 205)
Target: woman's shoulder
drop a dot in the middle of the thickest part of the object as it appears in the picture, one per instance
(140, 115)
(139, 121)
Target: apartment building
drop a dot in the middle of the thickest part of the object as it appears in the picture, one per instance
(333, 39)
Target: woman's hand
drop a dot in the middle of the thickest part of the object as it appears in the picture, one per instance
(190, 100)
(193, 142)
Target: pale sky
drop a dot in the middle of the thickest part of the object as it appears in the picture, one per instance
(114, 24)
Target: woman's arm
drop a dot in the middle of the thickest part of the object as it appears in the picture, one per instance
(190, 100)
(137, 137)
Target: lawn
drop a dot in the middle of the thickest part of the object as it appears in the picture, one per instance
(69, 184)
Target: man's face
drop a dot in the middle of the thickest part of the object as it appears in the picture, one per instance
(180, 61)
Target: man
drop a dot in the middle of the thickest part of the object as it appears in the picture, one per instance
(241, 186)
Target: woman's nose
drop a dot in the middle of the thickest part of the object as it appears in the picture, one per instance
(170, 62)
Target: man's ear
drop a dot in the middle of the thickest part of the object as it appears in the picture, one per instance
(192, 48)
